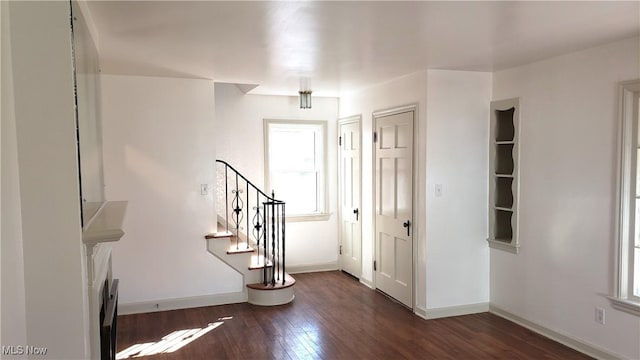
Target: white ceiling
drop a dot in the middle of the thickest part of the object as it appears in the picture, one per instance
(337, 46)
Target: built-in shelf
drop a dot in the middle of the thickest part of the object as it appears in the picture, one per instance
(503, 194)
(504, 164)
(505, 128)
(502, 230)
(106, 225)
(503, 184)
(505, 246)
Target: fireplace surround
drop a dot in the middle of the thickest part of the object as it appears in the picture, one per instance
(103, 229)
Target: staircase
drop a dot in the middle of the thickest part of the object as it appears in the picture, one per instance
(253, 239)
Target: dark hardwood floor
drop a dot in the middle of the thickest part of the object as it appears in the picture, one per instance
(335, 317)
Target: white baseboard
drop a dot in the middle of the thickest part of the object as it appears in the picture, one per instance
(181, 303)
(422, 312)
(452, 311)
(298, 269)
(567, 340)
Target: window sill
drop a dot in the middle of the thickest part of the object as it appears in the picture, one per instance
(308, 217)
(625, 305)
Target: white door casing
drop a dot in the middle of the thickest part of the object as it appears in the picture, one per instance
(393, 169)
(349, 196)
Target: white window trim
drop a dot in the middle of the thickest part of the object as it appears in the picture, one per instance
(623, 298)
(324, 214)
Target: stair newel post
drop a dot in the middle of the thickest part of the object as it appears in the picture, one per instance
(276, 264)
(226, 197)
(236, 210)
(273, 235)
(248, 212)
(266, 242)
(283, 252)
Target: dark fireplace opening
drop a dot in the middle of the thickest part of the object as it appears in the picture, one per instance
(109, 320)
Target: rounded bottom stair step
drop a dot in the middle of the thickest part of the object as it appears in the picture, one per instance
(272, 295)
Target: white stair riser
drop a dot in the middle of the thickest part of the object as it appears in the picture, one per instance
(236, 261)
(271, 297)
(240, 262)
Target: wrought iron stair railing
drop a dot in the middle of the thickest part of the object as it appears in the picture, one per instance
(262, 224)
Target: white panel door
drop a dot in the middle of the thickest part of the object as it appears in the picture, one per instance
(349, 172)
(394, 206)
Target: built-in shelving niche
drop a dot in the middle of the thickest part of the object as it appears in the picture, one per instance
(504, 164)
(503, 182)
(503, 195)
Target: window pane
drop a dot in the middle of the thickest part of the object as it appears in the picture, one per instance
(296, 164)
(293, 149)
(636, 272)
(298, 190)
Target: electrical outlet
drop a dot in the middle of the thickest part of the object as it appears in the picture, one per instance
(600, 315)
(204, 189)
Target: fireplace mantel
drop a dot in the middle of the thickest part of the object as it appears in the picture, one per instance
(103, 229)
(106, 225)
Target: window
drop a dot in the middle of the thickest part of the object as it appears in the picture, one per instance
(295, 166)
(627, 289)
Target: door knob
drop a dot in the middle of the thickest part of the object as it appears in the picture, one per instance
(356, 211)
(407, 224)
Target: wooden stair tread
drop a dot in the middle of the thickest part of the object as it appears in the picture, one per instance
(240, 248)
(288, 282)
(219, 235)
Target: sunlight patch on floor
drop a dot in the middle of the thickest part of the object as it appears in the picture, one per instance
(169, 343)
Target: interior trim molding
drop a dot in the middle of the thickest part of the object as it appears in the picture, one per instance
(181, 303)
(415, 180)
(420, 311)
(512, 248)
(308, 268)
(106, 224)
(367, 283)
(308, 217)
(567, 340)
(355, 120)
(396, 110)
(630, 307)
(450, 311)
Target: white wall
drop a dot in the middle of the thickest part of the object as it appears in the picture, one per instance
(410, 89)
(13, 329)
(54, 270)
(159, 146)
(568, 159)
(453, 107)
(240, 141)
(457, 254)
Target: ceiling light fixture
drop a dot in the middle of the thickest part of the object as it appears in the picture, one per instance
(305, 99)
